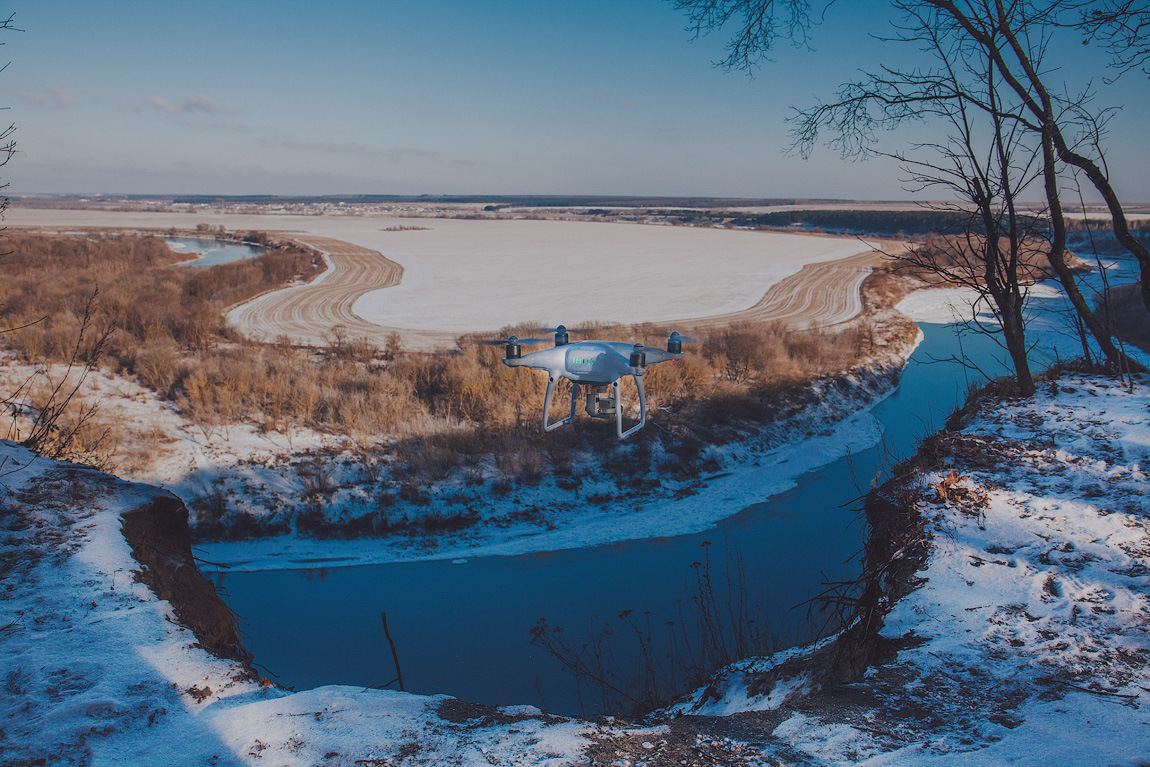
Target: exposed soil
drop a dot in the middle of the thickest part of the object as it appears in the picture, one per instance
(162, 543)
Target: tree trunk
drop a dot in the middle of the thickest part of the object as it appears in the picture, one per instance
(1056, 256)
(1117, 215)
(1010, 312)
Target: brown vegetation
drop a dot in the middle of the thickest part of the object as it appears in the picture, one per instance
(148, 302)
(428, 415)
(961, 253)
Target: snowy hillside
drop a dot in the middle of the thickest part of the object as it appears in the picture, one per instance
(1026, 643)
(96, 671)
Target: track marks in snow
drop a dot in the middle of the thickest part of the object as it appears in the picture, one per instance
(821, 294)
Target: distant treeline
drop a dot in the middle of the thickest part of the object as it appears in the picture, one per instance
(883, 222)
(498, 201)
(895, 223)
(536, 201)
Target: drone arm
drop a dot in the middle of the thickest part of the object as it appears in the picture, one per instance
(551, 380)
(619, 408)
(655, 356)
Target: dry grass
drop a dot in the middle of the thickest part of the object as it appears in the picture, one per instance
(151, 305)
(960, 254)
(440, 410)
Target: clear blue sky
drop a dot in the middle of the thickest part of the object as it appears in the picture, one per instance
(428, 96)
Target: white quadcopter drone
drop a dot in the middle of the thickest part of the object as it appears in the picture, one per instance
(594, 365)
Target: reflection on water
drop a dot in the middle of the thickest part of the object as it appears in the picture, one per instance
(462, 628)
(212, 252)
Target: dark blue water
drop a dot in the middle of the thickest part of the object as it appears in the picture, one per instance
(462, 629)
(213, 252)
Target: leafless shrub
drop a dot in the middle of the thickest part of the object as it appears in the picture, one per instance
(59, 425)
(316, 476)
(342, 347)
(719, 621)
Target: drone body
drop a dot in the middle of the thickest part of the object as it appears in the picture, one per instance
(595, 366)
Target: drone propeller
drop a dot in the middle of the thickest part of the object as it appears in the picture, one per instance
(511, 340)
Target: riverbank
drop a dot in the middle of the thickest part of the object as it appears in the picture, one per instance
(617, 495)
(1024, 642)
(1022, 639)
(321, 487)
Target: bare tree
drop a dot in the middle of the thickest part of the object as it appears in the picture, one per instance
(1122, 27)
(7, 142)
(984, 163)
(965, 38)
(760, 23)
(969, 73)
(1015, 36)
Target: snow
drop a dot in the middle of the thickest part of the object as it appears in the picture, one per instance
(1031, 627)
(946, 305)
(571, 523)
(96, 671)
(467, 275)
(1030, 633)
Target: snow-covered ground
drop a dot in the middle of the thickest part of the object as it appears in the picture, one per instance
(267, 475)
(1029, 639)
(95, 670)
(462, 275)
(479, 275)
(1026, 644)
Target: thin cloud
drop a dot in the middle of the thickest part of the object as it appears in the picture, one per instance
(52, 96)
(198, 104)
(215, 125)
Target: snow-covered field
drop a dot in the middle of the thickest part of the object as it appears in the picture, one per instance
(1026, 644)
(461, 275)
(464, 276)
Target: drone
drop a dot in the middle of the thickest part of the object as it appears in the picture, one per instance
(594, 365)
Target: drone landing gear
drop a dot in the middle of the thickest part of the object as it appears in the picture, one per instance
(547, 404)
(597, 406)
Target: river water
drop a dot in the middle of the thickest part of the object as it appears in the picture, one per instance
(463, 628)
(212, 252)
